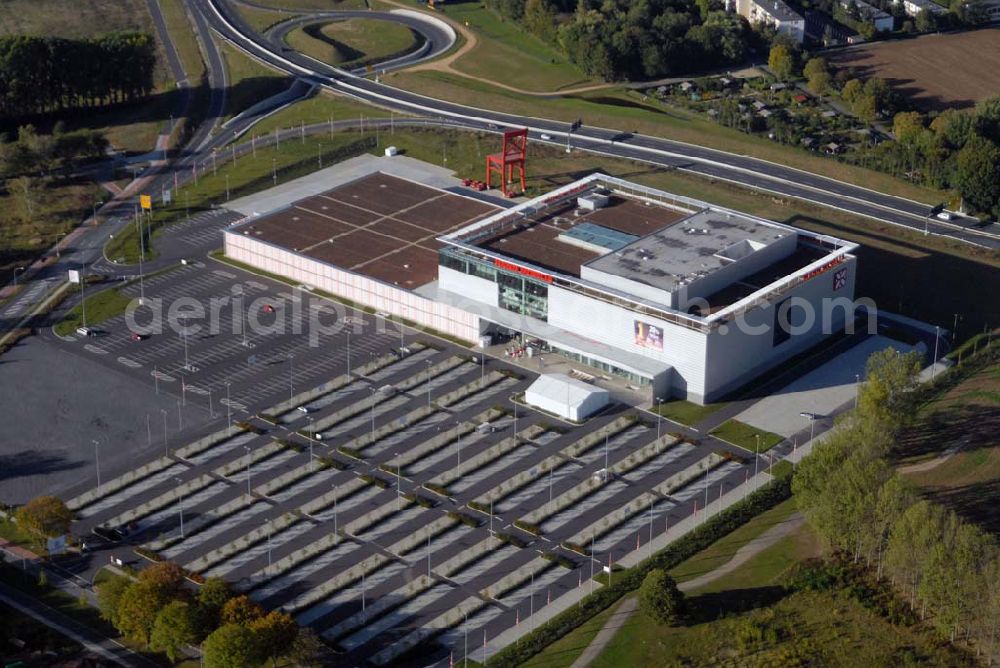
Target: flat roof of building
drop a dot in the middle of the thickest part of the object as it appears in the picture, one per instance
(535, 238)
(379, 225)
(695, 247)
(679, 241)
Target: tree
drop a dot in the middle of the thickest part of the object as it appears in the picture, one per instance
(907, 126)
(883, 398)
(241, 610)
(817, 72)
(308, 649)
(660, 598)
(781, 61)
(174, 628)
(46, 516)
(276, 634)
(925, 21)
(977, 174)
(137, 610)
(212, 596)
(987, 118)
(166, 576)
(231, 646)
(109, 595)
(852, 89)
(24, 188)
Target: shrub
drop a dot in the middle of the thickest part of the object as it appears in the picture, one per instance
(560, 559)
(576, 547)
(464, 519)
(353, 453)
(252, 428)
(437, 489)
(375, 480)
(330, 462)
(421, 501)
(529, 527)
(511, 540)
(146, 553)
(231, 646)
(481, 507)
(660, 598)
(267, 417)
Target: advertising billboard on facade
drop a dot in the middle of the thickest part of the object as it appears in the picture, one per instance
(648, 336)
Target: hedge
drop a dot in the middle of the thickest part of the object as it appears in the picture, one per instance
(330, 462)
(437, 489)
(629, 580)
(529, 527)
(560, 559)
(252, 428)
(421, 501)
(375, 480)
(511, 539)
(464, 519)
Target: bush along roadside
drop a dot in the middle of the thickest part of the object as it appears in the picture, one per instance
(629, 580)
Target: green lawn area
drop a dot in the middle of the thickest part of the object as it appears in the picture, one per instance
(723, 549)
(625, 110)
(101, 306)
(260, 19)
(9, 530)
(563, 652)
(319, 108)
(352, 41)
(507, 54)
(249, 81)
(746, 436)
(966, 415)
(748, 618)
(72, 18)
(687, 412)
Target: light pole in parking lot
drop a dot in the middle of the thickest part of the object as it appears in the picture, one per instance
(348, 356)
(97, 461)
(180, 499)
(229, 410)
(164, 411)
(428, 383)
(399, 484)
(373, 390)
(269, 544)
(335, 495)
(291, 369)
(459, 441)
(659, 422)
(812, 423)
(247, 448)
(312, 435)
(756, 456)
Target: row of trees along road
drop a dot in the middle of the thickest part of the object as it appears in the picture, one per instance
(948, 568)
(160, 611)
(946, 149)
(47, 74)
(625, 39)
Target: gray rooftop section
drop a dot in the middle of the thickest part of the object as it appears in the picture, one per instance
(690, 249)
(779, 10)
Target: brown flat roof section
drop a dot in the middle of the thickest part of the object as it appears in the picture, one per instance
(379, 225)
(633, 217)
(536, 240)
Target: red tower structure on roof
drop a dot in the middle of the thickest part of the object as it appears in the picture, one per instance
(512, 156)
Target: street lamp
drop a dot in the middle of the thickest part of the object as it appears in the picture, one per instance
(229, 410)
(857, 389)
(16, 270)
(180, 499)
(373, 390)
(97, 460)
(335, 495)
(165, 452)
(247, 448)
(428, 362)
(399, 484)
(291, 392)
(812, 417)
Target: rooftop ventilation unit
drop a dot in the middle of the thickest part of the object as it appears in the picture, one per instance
(592, 202)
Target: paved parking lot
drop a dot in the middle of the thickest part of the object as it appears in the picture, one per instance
(363, 565)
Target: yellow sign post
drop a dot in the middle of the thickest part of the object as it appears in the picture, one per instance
(146, 202)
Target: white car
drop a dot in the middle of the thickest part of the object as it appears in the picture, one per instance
(546, 137)
(944, 215)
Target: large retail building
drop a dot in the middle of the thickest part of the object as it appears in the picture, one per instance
(680, 297)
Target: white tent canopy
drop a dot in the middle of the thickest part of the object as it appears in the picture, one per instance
(566, 397)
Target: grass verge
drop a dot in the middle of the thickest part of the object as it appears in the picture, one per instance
(352, 42)
(687, 412)
(746, 436)
(100, 306)
(249, 81)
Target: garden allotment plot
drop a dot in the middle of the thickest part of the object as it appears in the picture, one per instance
(383, 540)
